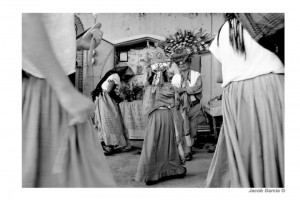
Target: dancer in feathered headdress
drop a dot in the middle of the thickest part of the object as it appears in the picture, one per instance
(181, 47)
(160, 156)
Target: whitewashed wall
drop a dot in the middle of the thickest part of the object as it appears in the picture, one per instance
(121, 25)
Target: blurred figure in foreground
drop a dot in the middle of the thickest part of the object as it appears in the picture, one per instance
(250, 149)
(59, 143)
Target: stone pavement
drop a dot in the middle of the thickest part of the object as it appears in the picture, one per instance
(124, 165)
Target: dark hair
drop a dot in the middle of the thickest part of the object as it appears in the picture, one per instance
(165, 76)
(98, 89)
(236, 36)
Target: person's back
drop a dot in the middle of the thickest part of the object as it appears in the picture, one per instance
(58, 145)
(250, 149)
(236, 66)
(61, 35)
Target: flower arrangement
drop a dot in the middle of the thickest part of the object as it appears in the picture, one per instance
(126, 93)
(137, 90)
(134, 93)
(195, 42)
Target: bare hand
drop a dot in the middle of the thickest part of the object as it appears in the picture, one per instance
(78, 106)
(94, 33)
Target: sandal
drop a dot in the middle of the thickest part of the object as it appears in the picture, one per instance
(182, 160)
(189, 156)
(184, 173)
(107, 150)
(127, 149)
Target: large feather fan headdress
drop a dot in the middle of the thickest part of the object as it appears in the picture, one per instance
(186, 43)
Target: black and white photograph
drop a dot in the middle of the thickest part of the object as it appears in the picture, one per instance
(218, 121)
(145, 100)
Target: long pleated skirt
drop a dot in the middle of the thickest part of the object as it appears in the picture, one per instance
(159, 157)
(250, 149)
(108, 120)
(53, 153)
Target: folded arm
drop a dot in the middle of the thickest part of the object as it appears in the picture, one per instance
(196, 89)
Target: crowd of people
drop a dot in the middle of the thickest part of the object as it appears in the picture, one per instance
(63, 147)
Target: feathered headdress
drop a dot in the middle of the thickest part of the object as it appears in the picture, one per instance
(185, 43)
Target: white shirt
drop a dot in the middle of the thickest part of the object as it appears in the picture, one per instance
(235, 67)
(61, 31)
(176, 81)
(115, 78)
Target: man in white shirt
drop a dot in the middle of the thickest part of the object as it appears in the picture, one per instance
(189, 84)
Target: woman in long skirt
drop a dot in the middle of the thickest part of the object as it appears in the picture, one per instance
(59, 148)
(250, 149)
(160, 157)
(54, 153)
(108, 118)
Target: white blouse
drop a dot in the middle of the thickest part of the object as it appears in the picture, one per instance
(115, 78)
(235, 67)
(61, 31)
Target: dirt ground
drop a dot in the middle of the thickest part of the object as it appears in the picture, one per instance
(124, 166)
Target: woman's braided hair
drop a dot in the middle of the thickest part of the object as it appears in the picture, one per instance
(236, 37)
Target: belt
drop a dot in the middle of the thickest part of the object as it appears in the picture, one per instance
(163, 108)
(194, 103)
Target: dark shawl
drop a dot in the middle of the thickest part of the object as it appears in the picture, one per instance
(267, 29)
